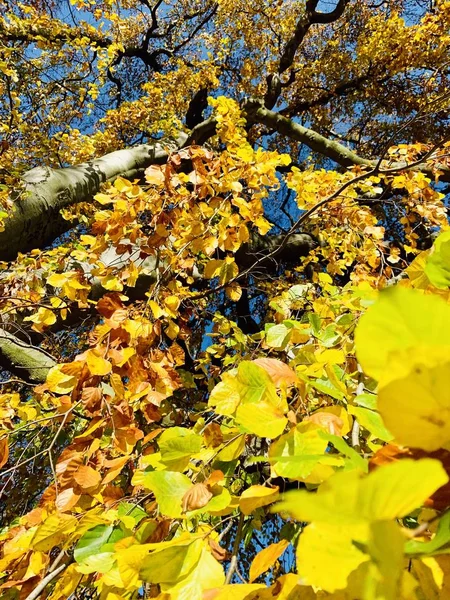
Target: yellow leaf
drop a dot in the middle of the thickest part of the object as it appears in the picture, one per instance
(59, 382)
(44, 316)
(171, 563)
(212, 268)
(390, 338)
(256, 496)
(53, 531)
(349, 498)
(172, 303)
(326, 556)
(112, 283)
(266, 559)
(229, 270)
(66, 584)
(157, 311)
(97, 365)
(172, 330)
(233, 291)
(57, 279)
(416, 408)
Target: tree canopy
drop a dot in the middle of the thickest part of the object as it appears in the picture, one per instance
(225, 287)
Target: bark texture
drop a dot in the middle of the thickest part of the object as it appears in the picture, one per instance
(23, 359)
(36, 220)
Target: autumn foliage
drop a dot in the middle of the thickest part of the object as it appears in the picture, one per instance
(224, 299)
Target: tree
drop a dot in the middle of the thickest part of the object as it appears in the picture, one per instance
(224, 298)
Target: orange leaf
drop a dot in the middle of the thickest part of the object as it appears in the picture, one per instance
(266, 558)
(66, 500)
(214, 478)
(332, 423)
(107, 305)
(280, 372)
(87, 477)
(4, 451)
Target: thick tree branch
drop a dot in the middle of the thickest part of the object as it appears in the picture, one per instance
(32, 364)
(310, 17)
(317, 142)
(28, 362)
(36, 219)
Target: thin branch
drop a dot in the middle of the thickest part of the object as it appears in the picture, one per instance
(40, 588)
(237, 542)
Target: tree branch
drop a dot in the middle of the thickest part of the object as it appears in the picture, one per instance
(317, 142)
(23, 359)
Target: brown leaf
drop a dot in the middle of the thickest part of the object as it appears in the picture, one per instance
(91, 398)
(217, 551)
(213, 435)
(280, 372)
(196, 497)
(4, 451)
(107, 305)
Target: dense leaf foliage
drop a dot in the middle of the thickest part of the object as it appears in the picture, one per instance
(225, 300)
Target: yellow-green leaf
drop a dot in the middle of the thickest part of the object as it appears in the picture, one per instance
(169, 488)
(402, 329)
(416, 408)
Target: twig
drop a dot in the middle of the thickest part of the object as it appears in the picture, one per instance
(39, 588)
(237, 541)
(355, 434)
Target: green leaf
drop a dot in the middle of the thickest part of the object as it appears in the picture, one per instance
(402, 329)
(126, 509)
(372, 421)
(169, 488)
(92, 542)
(366, 401)
(355, 460)
(277, 336)
(177, 445)
(438, 545)
(302, 449)
(437, 267)
(327, 387)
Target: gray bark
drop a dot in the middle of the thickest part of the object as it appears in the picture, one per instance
(36, 220)
(28, 362)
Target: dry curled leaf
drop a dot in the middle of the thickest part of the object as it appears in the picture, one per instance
(196, 497)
